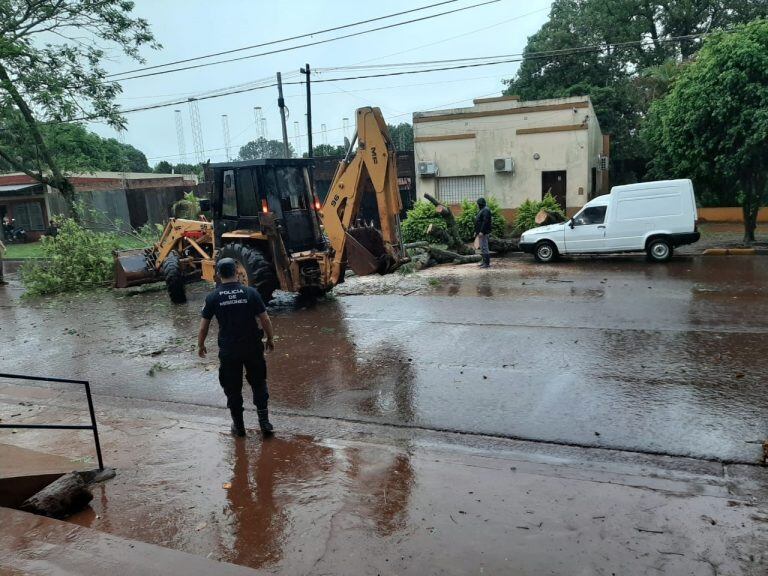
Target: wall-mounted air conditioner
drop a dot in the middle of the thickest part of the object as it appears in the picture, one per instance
(427, 169)
(503, 165)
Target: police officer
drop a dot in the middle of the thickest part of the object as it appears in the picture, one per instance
(239, 310)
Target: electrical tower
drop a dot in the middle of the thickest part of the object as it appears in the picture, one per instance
(324, 130)
(197, 131)
(180, 137)
(225, 129)
(297, 138)
(264, 128)
(258, 120)
(345, 127)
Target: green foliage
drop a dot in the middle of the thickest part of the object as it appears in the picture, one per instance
(76, 259)
(51, 69)
(263, 148)
(613, 76)
(712, 126)
(526, 213)
(466, 221)
(165, 167)
(74, 149)
(418, 219)
(328, 150)
(402, 136)
(188, 207)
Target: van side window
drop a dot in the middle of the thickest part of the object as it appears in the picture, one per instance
(591, 215)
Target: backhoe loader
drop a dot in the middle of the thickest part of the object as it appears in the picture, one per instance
(267, 218)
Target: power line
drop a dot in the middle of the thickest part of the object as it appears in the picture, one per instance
(281, 40)
(474, 64)
(289, 48)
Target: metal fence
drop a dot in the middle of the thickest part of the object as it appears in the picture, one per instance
(62, 426)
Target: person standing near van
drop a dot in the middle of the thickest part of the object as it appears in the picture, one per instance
(483, 225)
(239, 310)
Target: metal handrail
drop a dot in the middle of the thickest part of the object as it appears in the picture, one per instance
(62, 426)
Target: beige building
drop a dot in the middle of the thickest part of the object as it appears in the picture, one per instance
(512, 151)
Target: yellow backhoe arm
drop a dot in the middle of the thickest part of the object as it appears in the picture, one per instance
(365, 249)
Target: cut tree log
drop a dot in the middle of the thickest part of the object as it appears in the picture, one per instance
(544, 217)
(419, 244)
(451, 235)
(443, 256)
(61, 498)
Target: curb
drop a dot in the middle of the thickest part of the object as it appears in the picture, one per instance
(731, 252)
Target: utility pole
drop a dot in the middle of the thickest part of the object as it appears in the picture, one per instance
(306, 71)
(281, 104)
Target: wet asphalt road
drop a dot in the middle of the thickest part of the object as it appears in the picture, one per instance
(614, 353)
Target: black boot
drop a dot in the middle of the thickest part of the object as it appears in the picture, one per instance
(264, 423)
(238, 424)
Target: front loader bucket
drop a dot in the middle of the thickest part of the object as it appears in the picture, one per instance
(366, 252)
(132, 268)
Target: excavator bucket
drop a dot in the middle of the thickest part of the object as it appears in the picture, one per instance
(366, 253)
(132, 268)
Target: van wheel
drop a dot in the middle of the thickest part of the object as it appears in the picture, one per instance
(545, 252)
(659, 250)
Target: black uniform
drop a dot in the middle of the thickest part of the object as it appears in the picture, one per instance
(236, 308)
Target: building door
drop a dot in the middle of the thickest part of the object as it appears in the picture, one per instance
(554, 183)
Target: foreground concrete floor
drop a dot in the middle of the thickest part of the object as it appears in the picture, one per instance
(324, 497)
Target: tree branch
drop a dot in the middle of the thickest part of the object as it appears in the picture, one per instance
(8, 158)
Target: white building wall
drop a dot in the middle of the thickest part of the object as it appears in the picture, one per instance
(572, 148)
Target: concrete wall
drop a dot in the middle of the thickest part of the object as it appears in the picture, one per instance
(465, 141)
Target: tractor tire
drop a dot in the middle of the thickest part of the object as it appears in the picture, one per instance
(256, 269)
(174, 278)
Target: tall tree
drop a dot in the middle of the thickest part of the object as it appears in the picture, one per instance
(328, 150)
(593, 48)
(263, 148)
(402, 135)
(51, 55)
(712, 126)
(75, 148)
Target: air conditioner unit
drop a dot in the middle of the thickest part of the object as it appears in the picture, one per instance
(427, 169)
(503, 165)
(603, 163)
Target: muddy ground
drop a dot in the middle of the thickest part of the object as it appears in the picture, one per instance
(615, 353)
(594, 416)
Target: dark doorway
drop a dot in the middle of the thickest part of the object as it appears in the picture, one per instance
(554, 183)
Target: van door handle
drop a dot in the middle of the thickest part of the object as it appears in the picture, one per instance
(601, 226)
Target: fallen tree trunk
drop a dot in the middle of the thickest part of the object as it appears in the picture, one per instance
(451, 235)
(502, 245)
(544, 217)
(419, 244)
(448, 256)
(61, 498)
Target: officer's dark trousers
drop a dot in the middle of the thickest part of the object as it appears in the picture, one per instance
(231, 378)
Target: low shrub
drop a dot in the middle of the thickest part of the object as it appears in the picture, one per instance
(414, 227)
(526, 213)
(466, 221)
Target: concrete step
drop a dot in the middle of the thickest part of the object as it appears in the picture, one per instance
(33, 545)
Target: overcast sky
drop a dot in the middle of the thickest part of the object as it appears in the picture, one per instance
(188, 28)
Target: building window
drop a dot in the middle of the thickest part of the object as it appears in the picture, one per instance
(29, 216)
(454, 189)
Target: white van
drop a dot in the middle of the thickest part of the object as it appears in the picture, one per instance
(650, 217)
